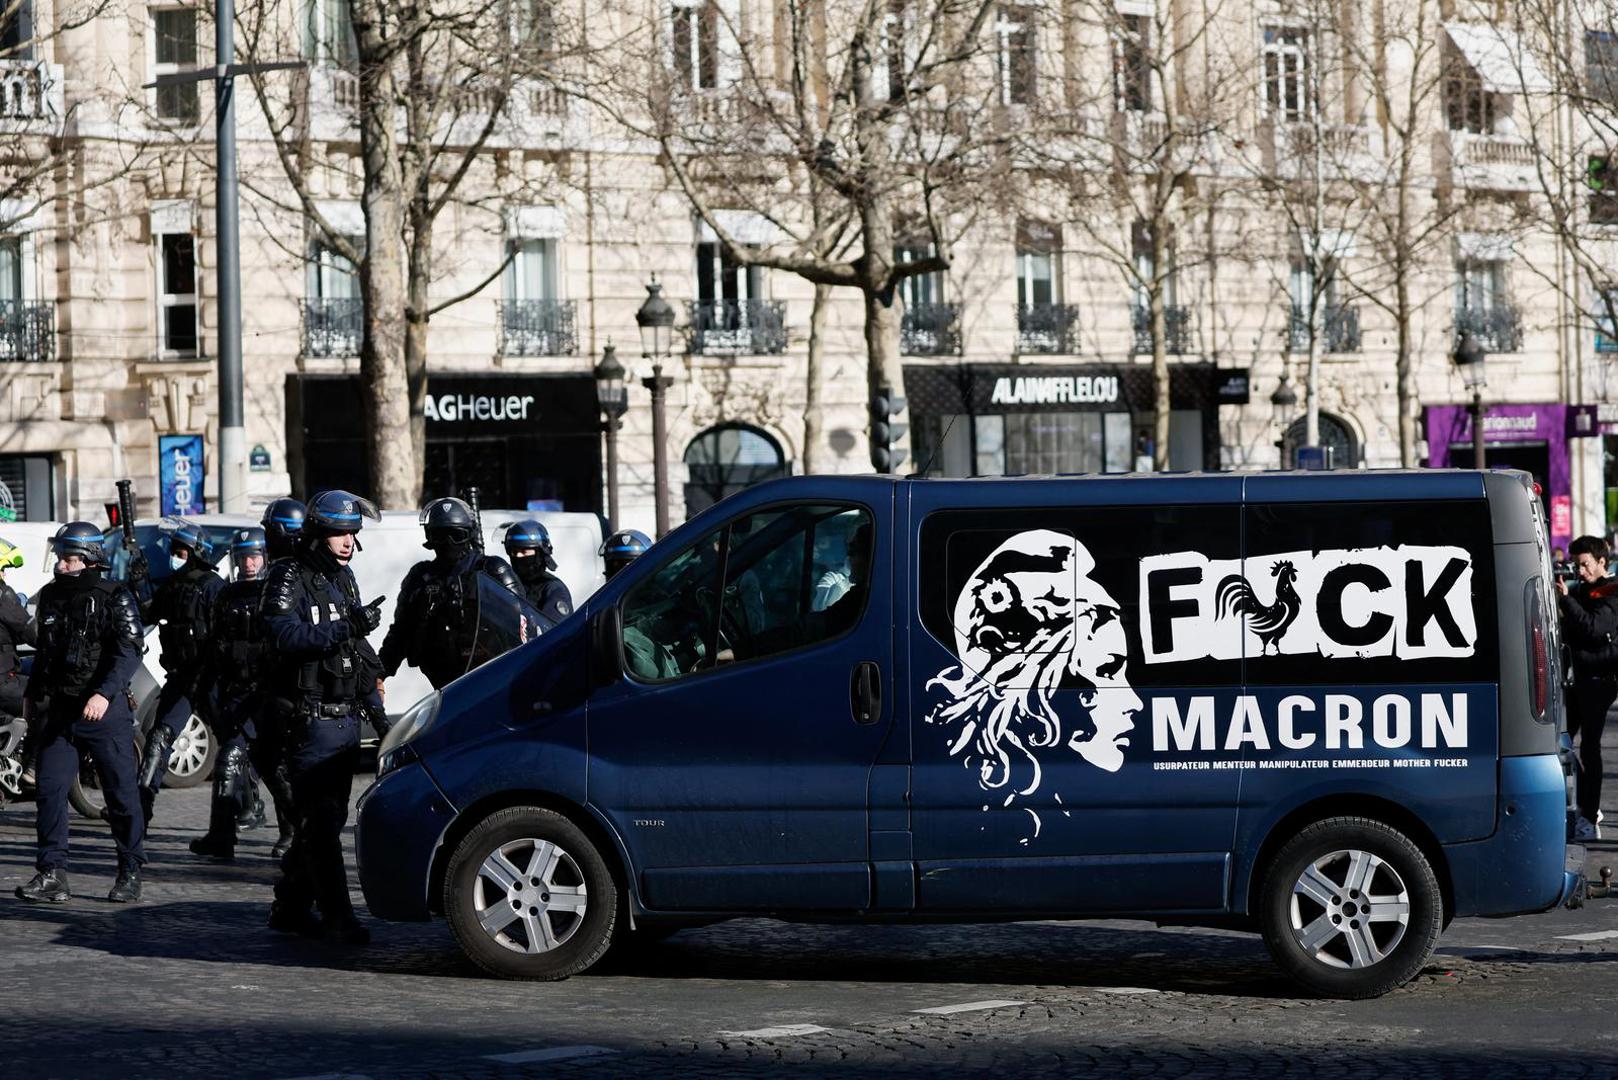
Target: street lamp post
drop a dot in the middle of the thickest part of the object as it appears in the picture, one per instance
(1283, 404)
(613, 397)
(656, 321)
(1471, 360)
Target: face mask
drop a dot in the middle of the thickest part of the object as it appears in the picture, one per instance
(177, 562)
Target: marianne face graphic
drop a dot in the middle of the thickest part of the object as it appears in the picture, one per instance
(1029, 622)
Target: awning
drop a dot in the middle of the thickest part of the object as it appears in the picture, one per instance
(744, 226)
(1500, 60)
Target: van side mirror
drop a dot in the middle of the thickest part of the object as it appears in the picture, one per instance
(606, 646)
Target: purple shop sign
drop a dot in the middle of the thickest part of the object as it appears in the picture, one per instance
(1449, 442)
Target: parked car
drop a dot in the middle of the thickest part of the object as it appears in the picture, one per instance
(1323, 707)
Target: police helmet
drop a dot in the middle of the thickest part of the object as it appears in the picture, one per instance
(283, 519)
(530, 535)
(622, 548)
(79, 538)
(11, 557)
(332, 513)
(244, 542)
(448, 520)
(190, 535)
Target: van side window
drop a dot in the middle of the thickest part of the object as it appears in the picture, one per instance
(793, 577)
(766, 583)
(669, 617)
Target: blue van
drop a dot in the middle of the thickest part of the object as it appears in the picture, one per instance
(1324, 707)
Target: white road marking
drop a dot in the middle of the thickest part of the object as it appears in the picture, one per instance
(782, 1031)
(968, 1006)
(334, 1076)
(549, 1053)
(1599, 935)
(1123, 989)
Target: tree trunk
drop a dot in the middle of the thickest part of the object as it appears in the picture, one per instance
(1406, 370)
(421, 272)
(1161, 401)
(813, 421)
(382, 272)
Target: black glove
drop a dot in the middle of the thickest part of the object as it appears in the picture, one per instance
(139, 572)
(367, 618)
(378, 716)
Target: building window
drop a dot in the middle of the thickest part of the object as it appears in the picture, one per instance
(17, 31)
(726, 459)
(1468, 105)
(918, 289)
(1132, 63)
(1603, 180)
(531, 273)
(1015, 57)
(1336, 437)
(175, 31)
(1480, 285)
(334, 312)
(896, 27)
(1606, 305)
(1601, 67)
(1288, 93)
(720, 279)
(10, 269)
(330, 33)
(177, 292)
(1146, 269)
(695, 33)
(536, 26)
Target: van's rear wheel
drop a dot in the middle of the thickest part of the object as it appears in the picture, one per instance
(1350, 908)
(528, 896)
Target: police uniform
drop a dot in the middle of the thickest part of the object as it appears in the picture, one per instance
(282, 525)
(321, 685)
(89, 644)
(16, 628)
(540, 586)
(182, 607)
(435, 618)
(236, 677)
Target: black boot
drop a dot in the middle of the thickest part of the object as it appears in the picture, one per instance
(252, 815)
(126, 890)
(47, 887)
(284, 843)
(286, 919)
(216, 848)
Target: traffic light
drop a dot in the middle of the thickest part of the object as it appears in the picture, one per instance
(885, 430)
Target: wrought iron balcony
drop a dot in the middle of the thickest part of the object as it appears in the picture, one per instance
(333, 327)
(1047, 328)
(538, 328)
(930, 330)
(1497, 329)
(27, 330)
(1176, 327)
(749, 327)
(1341, 328)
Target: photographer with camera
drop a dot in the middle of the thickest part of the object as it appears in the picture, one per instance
(1589, 624)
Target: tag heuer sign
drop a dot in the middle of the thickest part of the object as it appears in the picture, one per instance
(1234, 387)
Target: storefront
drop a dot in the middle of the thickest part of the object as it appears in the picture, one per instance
(1533, 438)
(525, 441)
(27, 487)
(1024, 419)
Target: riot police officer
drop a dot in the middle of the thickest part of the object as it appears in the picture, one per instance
(321, 683)
(282, 524)
(182, 607)
(16, 628)
(89, 647)
(622, 548)
(437, 610)
(236, 679)
(528, 546)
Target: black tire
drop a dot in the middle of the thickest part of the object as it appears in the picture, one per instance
(85, 794)
(1358, 957)
(470, 894)
(203, 764)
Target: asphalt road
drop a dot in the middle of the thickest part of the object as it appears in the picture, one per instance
(189, 982)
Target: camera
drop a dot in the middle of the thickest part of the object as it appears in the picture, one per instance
(1566, 572)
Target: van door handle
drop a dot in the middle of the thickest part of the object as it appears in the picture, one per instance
(865, 692)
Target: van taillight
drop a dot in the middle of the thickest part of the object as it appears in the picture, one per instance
(1539, 659)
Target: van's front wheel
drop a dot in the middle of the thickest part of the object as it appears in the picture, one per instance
(528, 896)
(1350, 908)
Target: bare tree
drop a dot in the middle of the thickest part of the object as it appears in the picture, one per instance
(857, 128)
(1567, 71)
(430, 92)
(1140, 152)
